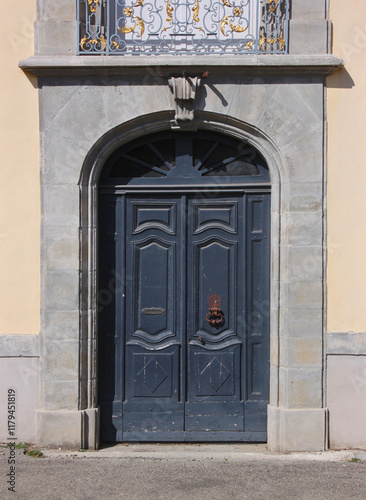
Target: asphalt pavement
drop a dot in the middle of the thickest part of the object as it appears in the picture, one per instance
(184, 472)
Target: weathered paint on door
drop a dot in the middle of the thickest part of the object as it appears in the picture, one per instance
(166, 373)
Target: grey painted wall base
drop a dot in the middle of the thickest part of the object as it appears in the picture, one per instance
(22, 375)
(346, 399)
(68, 429)
(296, 430)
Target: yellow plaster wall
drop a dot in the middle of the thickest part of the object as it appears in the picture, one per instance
(19, 175)
(19, 181)
(347, 171)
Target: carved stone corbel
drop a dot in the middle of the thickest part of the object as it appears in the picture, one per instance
(184, 89)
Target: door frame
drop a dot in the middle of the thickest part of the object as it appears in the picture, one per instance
(88, 185)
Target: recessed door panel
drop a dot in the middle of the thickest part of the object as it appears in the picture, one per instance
(219, 215)
(150, 215)
(153, 310)
(214, 269)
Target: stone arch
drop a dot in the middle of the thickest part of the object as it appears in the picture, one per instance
(88, 183)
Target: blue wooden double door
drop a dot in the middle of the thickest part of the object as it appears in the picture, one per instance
(183, 311)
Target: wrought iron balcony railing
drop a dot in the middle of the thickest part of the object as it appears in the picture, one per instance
(154, 27)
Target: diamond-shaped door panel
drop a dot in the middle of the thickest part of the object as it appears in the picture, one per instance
(214, 374)
(153, 375)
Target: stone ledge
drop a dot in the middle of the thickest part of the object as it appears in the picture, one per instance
(353, 343)
(64, 66)
(12, 346)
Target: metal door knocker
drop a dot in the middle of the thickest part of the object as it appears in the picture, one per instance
(214, 317)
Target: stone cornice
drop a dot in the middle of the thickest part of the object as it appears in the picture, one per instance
(253, 65)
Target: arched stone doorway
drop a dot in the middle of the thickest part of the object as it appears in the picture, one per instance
(183, 290)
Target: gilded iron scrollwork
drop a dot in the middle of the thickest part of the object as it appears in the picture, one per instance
(93, 5)
(94, 39)
(272, 32)
(234, 24)
(182, 26)
(136, 20)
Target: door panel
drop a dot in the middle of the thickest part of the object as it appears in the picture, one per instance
(176, 374)
(215, 260)
(153, 332)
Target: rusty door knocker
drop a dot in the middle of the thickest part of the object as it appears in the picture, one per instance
(214, 317)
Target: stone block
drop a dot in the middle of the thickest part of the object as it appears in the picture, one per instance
(309, 199)
(61, 290)
(60, 429)
(83, 119)
(152, 99)
(60, 206)
(303, 229)
(304, 295)
(274, 350)
(53, 99)
(303, 323)
(273, 428)
(60, 360)
(61, 10)
(19, 345)
(296, 430)
(61, 248)
(312, 92)
(310, 9)
(250, 99)
(61, 160)
(273, 389)
(69, 429)
(287, 117)
(346, 400)
(89, 291)
(304, 157)
(308, 36)
(22, 375)
(240, 98)
(120, 103)
(346, 343)
(91, 429)
(301, 353)
(301, 388)
(56, 37)
(61, 325)
(304, 263)
(60, 395)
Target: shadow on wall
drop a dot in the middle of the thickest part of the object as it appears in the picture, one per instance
(341, 79)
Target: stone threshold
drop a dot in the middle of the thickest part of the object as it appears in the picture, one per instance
(249, 65)
(225, 452)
